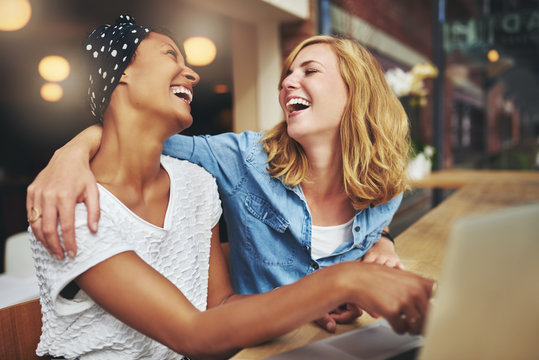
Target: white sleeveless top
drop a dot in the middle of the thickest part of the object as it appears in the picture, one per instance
(326, 239)
(79, 328)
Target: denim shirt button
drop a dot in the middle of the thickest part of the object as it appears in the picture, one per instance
(357, 228)
(315, 265)
(307, 247)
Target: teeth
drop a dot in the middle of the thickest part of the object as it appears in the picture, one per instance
(297, 101)
(183, 90)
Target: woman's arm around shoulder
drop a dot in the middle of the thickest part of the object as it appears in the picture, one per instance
(65, 181)
(224, 155)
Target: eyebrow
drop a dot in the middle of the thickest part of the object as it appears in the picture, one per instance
(166, 43)
(308, 62)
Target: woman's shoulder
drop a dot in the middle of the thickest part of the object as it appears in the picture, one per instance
(183, 171)
(111, 209)
(386, 208)
(194, 189)
(179, 167)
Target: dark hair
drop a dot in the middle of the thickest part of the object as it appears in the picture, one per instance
(109, 50)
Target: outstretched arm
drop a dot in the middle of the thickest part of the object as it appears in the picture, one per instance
(66, 180)
(220, 331)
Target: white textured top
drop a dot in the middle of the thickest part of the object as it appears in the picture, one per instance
(326, 239)
(79, 328)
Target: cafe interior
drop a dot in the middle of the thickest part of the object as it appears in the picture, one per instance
(465, 71)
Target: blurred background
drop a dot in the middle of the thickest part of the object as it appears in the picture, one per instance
(466, 71)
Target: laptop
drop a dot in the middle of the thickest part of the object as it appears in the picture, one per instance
(486, 306)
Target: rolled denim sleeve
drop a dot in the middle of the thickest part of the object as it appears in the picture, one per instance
(179, 146)
(222, 155)
(387, 210)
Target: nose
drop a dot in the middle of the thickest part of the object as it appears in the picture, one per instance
(191, 75)
(289, 82)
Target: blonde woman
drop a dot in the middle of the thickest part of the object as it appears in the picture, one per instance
(318, 189)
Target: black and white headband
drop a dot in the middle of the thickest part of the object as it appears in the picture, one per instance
(109, 50)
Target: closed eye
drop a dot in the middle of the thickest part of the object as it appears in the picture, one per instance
(310, 71)
(173, 53)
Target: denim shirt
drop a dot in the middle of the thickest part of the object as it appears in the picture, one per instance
(268, 223)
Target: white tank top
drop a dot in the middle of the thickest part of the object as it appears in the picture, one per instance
(326, 239)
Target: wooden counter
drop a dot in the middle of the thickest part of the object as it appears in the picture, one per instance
(457, 178)
(421, 247)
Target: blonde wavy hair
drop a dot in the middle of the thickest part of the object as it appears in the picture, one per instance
(374, 130)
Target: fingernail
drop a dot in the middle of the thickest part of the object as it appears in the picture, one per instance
(94, 226)
(58, 257)
(71, 254)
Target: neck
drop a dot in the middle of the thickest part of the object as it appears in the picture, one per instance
(325, 168)
(129, 154)
(325, 194)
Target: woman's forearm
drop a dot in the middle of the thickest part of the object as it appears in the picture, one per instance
(86, 142)
(250, 320)
(145, 300)
(241, 322)
(399, 296)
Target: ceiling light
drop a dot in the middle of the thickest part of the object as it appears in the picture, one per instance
(14, 14)
(54, 68)
(51, 92)
(199, 51)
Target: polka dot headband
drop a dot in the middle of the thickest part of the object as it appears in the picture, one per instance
(109, 50)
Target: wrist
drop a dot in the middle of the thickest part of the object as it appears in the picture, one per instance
(388, 236)
(347, 279)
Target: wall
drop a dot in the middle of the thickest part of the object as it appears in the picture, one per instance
(406, 21)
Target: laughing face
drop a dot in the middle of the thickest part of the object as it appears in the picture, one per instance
(313, 95)
(160, 84)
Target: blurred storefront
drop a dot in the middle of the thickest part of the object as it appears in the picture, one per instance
(490, 72)
(496, 45)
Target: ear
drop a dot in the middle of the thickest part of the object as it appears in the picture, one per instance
(124, 79)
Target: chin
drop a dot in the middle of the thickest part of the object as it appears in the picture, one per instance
(185, 123)
(293, 131)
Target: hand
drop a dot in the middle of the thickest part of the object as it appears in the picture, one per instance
(344, 314)
(383, 253)
(399, 296)
(52, 196)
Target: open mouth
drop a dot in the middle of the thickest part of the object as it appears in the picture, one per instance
(297, 104)
(183, 93)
